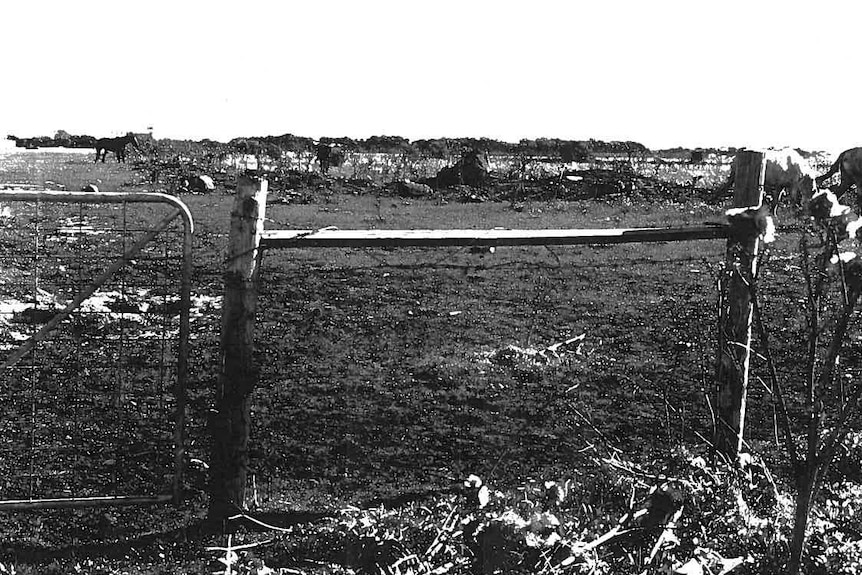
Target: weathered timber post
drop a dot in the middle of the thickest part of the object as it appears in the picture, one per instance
(238, 377)
(735, 314)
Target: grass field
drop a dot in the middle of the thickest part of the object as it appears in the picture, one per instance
(390, 376)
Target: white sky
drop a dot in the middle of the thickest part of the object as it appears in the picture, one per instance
(662, 72)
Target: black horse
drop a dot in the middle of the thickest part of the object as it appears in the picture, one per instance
(116, 145)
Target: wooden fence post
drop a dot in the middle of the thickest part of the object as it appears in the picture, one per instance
(238, 377)
(735, 314)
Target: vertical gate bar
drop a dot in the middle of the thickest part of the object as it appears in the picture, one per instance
(33, 368)
(120, 383)
(182, 361)
(76, 281)
(166, 324)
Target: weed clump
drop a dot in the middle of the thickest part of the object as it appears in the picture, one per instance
(683, 515)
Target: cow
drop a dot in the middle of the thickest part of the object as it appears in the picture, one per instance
(116, 145)
(787, 172)
(849, 164)
(329, 155)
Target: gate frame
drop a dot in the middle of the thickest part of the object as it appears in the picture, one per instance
(248, 240)
(182, 212)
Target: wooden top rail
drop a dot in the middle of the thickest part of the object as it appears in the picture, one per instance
(494, 237)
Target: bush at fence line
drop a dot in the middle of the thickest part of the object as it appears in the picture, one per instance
(683, 516)
(832, 279)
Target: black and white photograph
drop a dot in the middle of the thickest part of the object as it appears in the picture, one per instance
(379, 287)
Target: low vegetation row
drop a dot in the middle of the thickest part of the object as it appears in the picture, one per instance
(554, 148)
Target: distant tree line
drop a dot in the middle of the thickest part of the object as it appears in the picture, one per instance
(61, 139)
(569, 150)
(551, 148)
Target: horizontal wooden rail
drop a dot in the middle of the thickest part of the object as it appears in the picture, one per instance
(495, 237)
(22, 504)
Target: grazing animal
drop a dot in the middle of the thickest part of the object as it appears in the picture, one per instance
(787, 172)
(329, 155)
(200, 183)
(849, 164)
(116, 145)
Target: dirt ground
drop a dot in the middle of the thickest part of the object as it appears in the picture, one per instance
(392, 375)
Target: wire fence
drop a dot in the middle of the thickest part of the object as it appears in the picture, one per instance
(396, 371)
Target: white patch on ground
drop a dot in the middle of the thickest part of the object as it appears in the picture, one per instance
(109, 308)
(71, 227)
(556, 354)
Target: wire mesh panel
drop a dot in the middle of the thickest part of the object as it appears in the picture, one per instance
(94, 308)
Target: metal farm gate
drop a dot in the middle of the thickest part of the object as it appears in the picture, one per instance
(94, 324)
